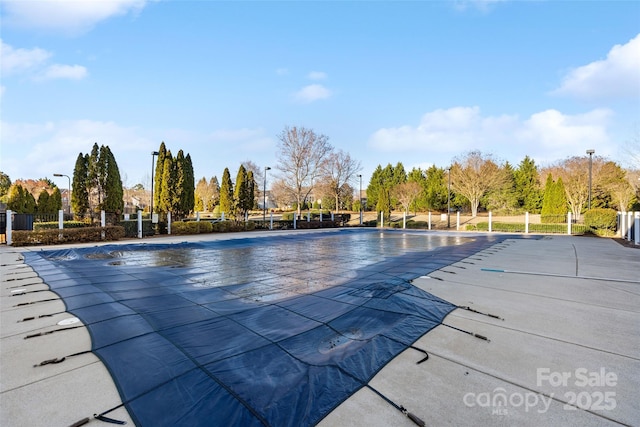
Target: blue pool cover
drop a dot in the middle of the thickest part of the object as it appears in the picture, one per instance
(275, 330)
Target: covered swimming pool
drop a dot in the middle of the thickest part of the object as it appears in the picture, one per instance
(275, 330)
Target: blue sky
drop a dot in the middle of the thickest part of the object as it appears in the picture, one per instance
(415, 82)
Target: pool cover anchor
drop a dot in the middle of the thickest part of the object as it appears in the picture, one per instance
(57, 360)
(473, 334)
(416, 420)
(465, 307)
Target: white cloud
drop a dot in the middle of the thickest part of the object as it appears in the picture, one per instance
(21, 60)
(65, 15)
(317, 75)
(56, 71)
(617, 76)
(546, 136)
(312, 93)
(32, 63)
(41, 149)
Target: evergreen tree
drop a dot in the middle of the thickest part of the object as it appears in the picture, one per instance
(5, 184)
(113, 200)
(188, 191)
(16, 199)
(158, 180)
(55, 200)
(79, 194)
(241, 192)
(167, 193)
(384, 203)
(375, 183)
(42, 206)
(527, 185)
(503, 198)
(93, 179)
(554, 202)
(251, 190)
(29, 202)
(226, 193)
(179, 194)
(436, 188)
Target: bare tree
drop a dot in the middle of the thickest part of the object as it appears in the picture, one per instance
(474, 175)
(281, 194)
(301, 155)
(339, 170)
(406, 193)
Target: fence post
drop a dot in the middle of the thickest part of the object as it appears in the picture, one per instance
(222, 216)
(526, 223)
(60, 219)
(429, 224)
(198, 216)
(9, 227)
(404, 220)
(458, 220)
(168, 222)
(103, 219)
(309, 216)
(381, 219)
(629, 225)
(320, 216)
(569, 223)
(139, 224)
(637, 228)
(271, 222)
(490, 223)
(295, 219)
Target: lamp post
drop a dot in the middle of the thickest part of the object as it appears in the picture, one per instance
(68, 195)
(360, 197)
(449, 200)
(153, 161)
(264, 195)
(590, 153)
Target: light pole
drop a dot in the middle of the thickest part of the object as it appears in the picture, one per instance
(153, 161)
(449, 200)
(590, 153)
(264, 196)
(69, 194)
(360, 197)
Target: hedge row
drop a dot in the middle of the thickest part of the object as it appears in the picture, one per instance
(69, 235)
(511, 227)
(53, 225)
(198, 227)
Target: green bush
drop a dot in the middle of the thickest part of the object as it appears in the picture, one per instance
(53, 225)
(131, 228)
(601, 219)
(191, 227)
(69, 235)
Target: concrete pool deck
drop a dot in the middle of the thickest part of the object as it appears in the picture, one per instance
(566, 353)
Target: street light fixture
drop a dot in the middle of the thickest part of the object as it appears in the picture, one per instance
(360, 197)
(590, 153)
(153, 161)
(69, 194)
(264, 196)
